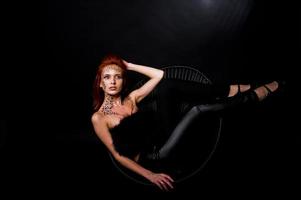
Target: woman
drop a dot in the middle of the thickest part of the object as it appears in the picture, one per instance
(113, 106)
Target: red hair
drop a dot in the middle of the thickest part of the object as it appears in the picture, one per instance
(98, 94)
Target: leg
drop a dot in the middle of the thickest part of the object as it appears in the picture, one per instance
(174, 94)
(170, 145)
(250, 97)
(176, 135)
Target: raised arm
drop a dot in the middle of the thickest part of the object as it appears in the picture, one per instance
(163, 181)
(154, 74)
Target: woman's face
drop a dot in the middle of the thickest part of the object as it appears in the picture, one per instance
(111, 80)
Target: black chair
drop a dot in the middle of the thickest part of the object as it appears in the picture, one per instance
(202, 142)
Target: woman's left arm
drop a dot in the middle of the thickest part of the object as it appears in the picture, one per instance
(154, 74)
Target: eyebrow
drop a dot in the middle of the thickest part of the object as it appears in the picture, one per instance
(112, 74)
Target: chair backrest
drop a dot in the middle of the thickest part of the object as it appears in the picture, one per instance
(185, 73)
(173, 72)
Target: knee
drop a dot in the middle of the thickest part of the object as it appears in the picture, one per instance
(195, 109)
(200, 109)
(203, 108)
(208, 108)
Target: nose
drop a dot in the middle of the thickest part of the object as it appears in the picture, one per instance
(113, 81)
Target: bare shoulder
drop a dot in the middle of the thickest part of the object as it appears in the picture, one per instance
(101, 129)
(98, 118)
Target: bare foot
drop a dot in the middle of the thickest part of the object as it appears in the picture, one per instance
(235, 89)
(263, 91)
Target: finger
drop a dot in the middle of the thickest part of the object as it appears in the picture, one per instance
(163, 184)
(168, 177)
(159, 185)
(167, 182)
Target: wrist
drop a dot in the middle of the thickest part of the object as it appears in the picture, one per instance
(129, 66)
(148, 174)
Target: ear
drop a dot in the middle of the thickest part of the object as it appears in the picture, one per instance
(100, 85)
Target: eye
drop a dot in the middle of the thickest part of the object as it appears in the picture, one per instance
(106, 77)
(119, 77)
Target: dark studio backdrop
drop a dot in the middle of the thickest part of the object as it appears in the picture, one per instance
(54, 50)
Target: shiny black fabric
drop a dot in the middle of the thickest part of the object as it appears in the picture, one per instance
(241, 99)
(176, 97)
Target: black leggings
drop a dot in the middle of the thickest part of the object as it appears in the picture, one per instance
(176, 98)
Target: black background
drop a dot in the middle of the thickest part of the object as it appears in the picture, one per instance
(52, 50)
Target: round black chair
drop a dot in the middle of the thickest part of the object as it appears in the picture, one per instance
(202, 137)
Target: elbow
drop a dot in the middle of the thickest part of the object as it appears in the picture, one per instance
(119, 158)
(116, 155)
(161, 74)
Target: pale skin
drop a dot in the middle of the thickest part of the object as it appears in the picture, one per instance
(113, 110)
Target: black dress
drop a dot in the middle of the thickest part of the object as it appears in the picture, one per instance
(133, 135)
